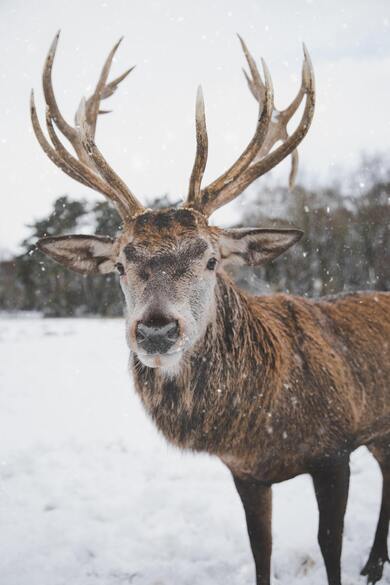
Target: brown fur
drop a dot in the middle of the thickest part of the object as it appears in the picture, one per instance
(276, 387)
(277, 382)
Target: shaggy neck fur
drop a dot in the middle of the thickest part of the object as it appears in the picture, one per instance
(205, 407)
(277, 382)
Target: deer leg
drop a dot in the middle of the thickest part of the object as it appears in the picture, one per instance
(256, 498)
(331, 483)
(379, 553)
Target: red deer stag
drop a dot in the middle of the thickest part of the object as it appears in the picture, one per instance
(275, 386)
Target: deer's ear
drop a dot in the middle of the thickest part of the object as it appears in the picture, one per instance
(255, 246)
(84, 254)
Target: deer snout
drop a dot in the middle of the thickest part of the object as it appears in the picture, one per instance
(157, 335)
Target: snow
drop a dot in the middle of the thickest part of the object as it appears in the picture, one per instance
(90, 493)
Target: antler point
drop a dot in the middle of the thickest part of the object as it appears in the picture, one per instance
(200, 113)
(243, 44)
(54, 44)
(32, 100)
(267, 75)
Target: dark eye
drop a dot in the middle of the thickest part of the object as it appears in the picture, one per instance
(120, 268)
(211, 264)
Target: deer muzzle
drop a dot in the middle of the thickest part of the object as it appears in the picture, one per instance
(156, 335)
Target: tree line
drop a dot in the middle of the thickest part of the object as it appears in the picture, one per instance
(346, 247)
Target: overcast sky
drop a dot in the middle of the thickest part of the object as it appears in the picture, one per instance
(177, 44)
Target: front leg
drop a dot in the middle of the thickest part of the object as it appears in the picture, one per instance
(331, 483)
(257, 501)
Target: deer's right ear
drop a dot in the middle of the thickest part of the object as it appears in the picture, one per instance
(84, 254)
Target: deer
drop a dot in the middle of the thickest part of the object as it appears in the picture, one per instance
(274, 386)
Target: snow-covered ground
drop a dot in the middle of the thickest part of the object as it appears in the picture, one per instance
(91, 494)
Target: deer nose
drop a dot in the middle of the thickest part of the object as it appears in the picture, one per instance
(157, 335)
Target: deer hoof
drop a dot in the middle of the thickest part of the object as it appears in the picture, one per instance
(374, 569)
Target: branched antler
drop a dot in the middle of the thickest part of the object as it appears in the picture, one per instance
(258, 158)
(280, 118)
(89, 168)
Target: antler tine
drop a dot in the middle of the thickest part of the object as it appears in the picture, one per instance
(293, 169)
(201, 150)
(86, 175)
(273, 158)
(93, 102)
(105, 170)
(92, 171)
(256, 90)
(256, 81)
(210, 193)
(46, 146)
(102, 90)
(278, 127)
(68, 164)
(48, 91)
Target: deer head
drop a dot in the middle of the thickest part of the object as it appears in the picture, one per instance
(169, 260)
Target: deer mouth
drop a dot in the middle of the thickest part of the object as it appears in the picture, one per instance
(168, 360)
(161, 354)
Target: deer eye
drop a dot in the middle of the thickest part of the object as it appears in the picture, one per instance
(211, 264)
(120, 268)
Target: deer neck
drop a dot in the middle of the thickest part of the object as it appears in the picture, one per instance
(209, 402)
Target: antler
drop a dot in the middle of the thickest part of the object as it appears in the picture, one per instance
(201, 148)
(257, 158)
(89, 168)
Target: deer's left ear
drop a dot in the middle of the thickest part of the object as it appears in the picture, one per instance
(83, 254)
(255, 246)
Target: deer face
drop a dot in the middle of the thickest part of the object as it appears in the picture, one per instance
(168, 262)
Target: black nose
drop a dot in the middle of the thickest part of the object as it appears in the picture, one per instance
(157, 335)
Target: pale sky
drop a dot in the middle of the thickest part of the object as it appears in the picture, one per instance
(149, 138)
